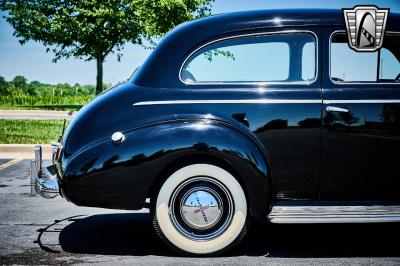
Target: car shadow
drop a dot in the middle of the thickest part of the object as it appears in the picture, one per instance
(113, 234)
(132, 234)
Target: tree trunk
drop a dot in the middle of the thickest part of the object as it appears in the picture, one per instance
(99, 77)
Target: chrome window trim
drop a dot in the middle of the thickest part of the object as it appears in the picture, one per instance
(265, 101)
(258, 83)
(361, 101)
(349, 82)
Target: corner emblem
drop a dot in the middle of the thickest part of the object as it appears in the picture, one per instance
(365, 27)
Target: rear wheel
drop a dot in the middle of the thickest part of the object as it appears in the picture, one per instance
(201, 209)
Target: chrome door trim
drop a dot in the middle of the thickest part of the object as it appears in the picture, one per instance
(259, 83)
(361, 101)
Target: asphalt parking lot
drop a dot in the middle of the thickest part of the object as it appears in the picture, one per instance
(38, 231)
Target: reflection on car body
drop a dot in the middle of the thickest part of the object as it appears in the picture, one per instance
(235, 117)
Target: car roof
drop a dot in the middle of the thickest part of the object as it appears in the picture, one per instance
(175, 46)
(279, 18)
(273, 18)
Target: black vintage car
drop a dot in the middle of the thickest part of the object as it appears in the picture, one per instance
(251, 115)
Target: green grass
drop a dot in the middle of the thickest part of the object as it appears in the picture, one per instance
(44, 102)
(29, 131)
(42, 107)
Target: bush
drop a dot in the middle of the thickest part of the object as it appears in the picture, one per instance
(45, 101)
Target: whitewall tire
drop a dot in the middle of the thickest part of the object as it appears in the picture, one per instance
(201, 209)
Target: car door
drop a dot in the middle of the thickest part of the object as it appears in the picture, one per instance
(271, 80)
(361, 120)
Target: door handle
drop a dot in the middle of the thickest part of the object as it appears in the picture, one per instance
(336, 109)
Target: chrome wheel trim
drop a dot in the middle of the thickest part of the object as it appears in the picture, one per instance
(189, 227)
(201, 200)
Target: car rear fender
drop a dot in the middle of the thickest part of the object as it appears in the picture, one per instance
(123, 175)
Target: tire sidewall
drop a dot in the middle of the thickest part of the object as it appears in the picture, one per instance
(220, 242)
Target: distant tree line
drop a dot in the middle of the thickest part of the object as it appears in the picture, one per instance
(94, 29)
(20, 86)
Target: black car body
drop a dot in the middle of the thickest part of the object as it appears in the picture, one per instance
(309, 140)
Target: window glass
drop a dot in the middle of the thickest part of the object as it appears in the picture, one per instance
(348, 65)
(264, 58)
(308, 62)
(389, 65)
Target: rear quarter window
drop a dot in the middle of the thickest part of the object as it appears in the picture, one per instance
(261, 58)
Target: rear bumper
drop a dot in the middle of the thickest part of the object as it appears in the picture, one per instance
(43, 179)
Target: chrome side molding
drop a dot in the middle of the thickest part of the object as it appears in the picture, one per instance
(290, 214)
(240, 101)
(266, 101)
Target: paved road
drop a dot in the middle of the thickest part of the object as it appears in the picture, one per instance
(38, 231)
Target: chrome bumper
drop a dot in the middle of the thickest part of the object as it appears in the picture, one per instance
(43, 179)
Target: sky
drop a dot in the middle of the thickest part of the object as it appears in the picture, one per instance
(31, 60)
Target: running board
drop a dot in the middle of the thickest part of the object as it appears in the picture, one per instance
(296, 214)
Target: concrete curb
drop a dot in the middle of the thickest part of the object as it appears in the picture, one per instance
(37, 111)
(23, 147)
(37, 114)
(24, 151)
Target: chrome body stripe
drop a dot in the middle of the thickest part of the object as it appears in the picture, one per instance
(361, 101)
(256, 101)
(263, 101)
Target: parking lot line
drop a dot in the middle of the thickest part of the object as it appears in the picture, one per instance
(9, 163)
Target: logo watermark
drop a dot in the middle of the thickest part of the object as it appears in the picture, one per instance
(365, 27)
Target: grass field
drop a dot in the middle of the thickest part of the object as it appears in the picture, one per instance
(29, 131)
(44, 102)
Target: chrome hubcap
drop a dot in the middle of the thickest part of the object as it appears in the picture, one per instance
(201, 208)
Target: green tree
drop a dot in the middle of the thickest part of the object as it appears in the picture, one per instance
(19, 81)
(3, 86)
(93, 29)
(30, 89)
(21, 85)
(35, 83)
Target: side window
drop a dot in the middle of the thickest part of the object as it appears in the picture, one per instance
(389, 65)
(348, 65)
(308, 61)
(262, 58)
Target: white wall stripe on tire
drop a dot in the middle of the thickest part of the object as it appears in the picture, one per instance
(221, 241)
